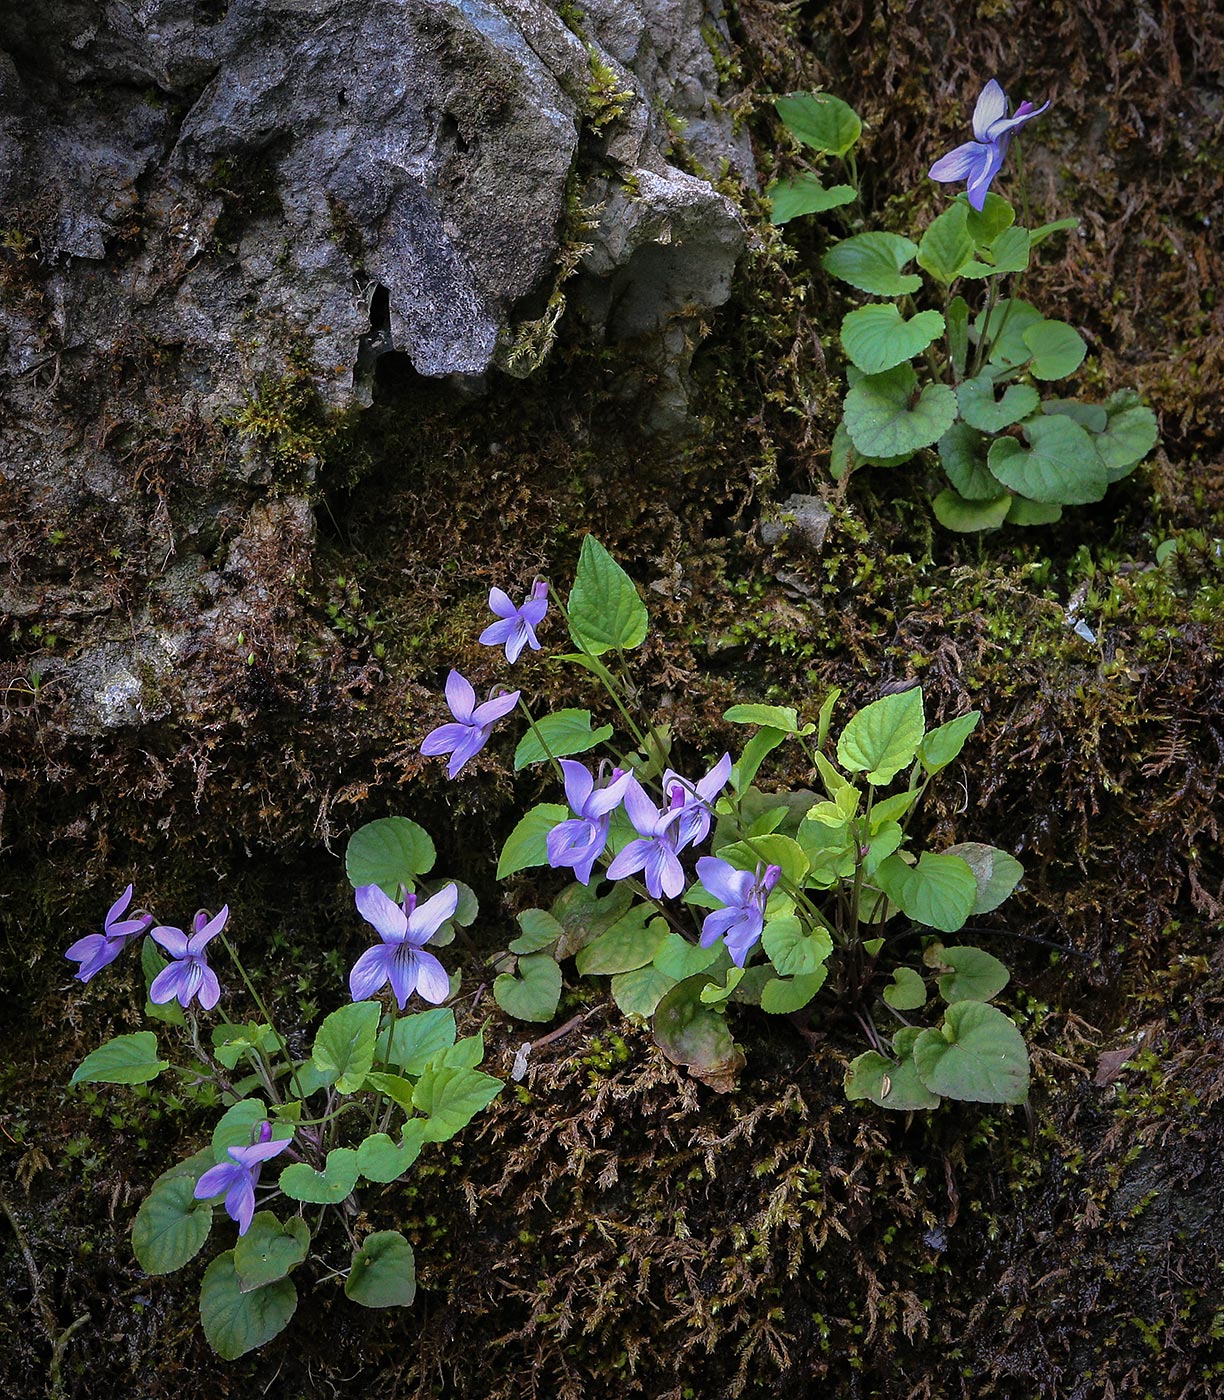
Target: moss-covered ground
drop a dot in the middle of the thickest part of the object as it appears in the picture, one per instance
(610, 1227)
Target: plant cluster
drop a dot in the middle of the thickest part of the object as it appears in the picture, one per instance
(960, 364)
(803, 889)
(376, 1089)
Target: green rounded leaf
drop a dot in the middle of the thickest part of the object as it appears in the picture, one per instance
(527, 844)
(236, 1322)
(939, 891)
(388, 853)
(945, 742)
(1128, 435)
(884, 418)
(451, 1097)
(820, 120)
(540, 931)
(793, 951)
(605, 612)
(907, 991)
(1025, 512)
(171, 1226)
(344, 1046)
(962, 450)
(270, 1250)
(630, 943)
(888, 1084)
(980, 409)
(878, 337)
(417, 1039)
(127, 1059)
(326, 1188)
(381, 1160)
(804, 194)
(1008, 321)
(996, 873)
(976, 975)
(946, 246)
(1057, 349)
(383, 1273)
(532, 994)
(967, 517)
(694, 1035)
(772, 849)
(637, 993)
(872, 262)
(987, 223)
(1059, 465)
(883, 737)
(979, 1056)
(782, 995)
(563, 732)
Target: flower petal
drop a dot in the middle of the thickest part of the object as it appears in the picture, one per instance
(259, 1152)
(578, 784)
(500, 603)
(426, 919)
(517, 640)
(370, 971)
(641, 811)
(991, 106)
(492, 710)
(961, 164)
(216, 1180)
(402, 973)
(210, 989)
(383, 913)
(1025, 113)
(115, 912)
(723, 880)
(444, 739)
(980, 183)
(498, 632)
(432, 982)
(197, 941)
(169, 983)
(460, 697)
(240, 1202)
(468, 747)
(630, 859)
(173, 940)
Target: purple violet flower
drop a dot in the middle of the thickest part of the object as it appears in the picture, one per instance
(744, 893)
(693, 800)
(401, 958)
(655, 850)
(465, 738)
(980, 160)
(96, 950)
(517, 627)
(189, 975)
(580, 842)
(238, 1178)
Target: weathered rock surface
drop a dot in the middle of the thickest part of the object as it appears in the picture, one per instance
(194, 195)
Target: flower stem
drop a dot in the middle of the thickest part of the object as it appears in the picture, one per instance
(263, 1011)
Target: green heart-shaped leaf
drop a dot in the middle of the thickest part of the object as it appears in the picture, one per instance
(979, 408)
(907, 991)
(883, 737)
(946, 246)
(967, 517)
(236, 1322)
(878, 337)
(887, 1083)
(326, 1188)
(962, 450)
(978, 1056)
(804, 194)
(1059, 465)
(820, 120)
(383, 1273)
(884, 417)
(872, 262)
(388, 853)
(976, 975)
(533, 994)
(1057, 349)
(1129, 434)
(269, 1250)
(171, 1226)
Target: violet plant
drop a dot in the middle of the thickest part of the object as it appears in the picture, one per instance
(306, 1142)
(702, 899)
(959, 368)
